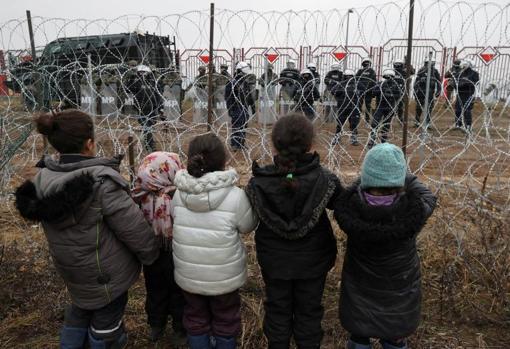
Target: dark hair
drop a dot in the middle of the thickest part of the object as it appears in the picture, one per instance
(67, 130)
(292, 138)
(206, 154)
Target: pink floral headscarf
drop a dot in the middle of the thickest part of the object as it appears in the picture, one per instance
(154, 190)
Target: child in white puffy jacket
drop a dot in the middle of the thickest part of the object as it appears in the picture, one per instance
(209, 256)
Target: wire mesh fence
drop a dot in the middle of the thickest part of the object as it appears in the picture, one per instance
(145, 81)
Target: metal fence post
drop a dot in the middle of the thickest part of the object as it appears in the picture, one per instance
(211, 66)
(408, 73)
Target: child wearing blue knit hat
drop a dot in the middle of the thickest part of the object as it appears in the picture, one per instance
(381, 214)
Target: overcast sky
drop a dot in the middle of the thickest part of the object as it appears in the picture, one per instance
(112, 8)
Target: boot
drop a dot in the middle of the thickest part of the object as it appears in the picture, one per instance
(336, 139)
(178, 337)
(354, 139)
(202, 341)
(354, 345)
(225, 342)
(117, 343)
(387, 345)
(156, 333)
(73, 337)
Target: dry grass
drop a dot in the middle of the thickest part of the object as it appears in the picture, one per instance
(466, 283)
(464, 250)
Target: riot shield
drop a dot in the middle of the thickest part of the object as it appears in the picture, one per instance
(267, 106)
(220, 106)
(87, 102)
(287, 99)
(329, 104)
(109, 99)
(200, 105)
(171, 108)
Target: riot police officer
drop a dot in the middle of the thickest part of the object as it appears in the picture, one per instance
(290, 81)
(147, 103)
(307, 95)
(452, 76)
(401, 77)
(466, 88)
(333, 77)
(239, 98)
(420, 90)
(366, 79)
(224, 71)
(201, 80)
(331, 80)
(313, 68)
(270, 76)
(388, 95)
(347, 97)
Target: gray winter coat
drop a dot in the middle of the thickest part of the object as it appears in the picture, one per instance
(96, 234)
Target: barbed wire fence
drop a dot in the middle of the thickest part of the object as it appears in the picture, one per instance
(94, 65)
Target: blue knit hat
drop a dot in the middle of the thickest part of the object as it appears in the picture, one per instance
(384, 167)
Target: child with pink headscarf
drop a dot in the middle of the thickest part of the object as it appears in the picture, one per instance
(154, 190)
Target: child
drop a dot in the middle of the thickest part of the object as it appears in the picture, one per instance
(209, 256)
(294, 240)
(96, 234)
(381, 214)
(154, 190)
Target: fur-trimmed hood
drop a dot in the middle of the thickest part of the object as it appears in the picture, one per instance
(205, 193)
(292, 215)
(403, 219)
(61, 193)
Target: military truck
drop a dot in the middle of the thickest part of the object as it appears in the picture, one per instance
(56, 75)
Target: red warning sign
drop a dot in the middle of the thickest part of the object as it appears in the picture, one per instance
(487, 57)
(488, 54)
(339, 55)
(204, 58)
(271, 55)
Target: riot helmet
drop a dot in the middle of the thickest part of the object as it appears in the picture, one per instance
(366, 62)
(388, 74)
(243, 67)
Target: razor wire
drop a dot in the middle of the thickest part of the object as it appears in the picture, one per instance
(96, 75)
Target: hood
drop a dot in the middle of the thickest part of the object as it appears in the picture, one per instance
(54, 175)
(61, 193)
(402, 220)
(291, 214)
(206, 193)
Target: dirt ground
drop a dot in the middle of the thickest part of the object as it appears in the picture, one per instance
(464, 305)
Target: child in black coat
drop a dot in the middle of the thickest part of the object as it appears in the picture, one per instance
(295, 243)
(382, 213)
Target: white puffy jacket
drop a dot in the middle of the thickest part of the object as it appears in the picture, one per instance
(210, 212)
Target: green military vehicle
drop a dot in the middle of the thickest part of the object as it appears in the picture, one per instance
(63, 65)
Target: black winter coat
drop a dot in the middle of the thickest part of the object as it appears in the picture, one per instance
(332, 79)
(388, 93)
(347, 94)
(468, 79)
(366, 78)
(307, 95)
(146, 95)
(294, 239)
(381, 279)
(238, 94)
(420, 84)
